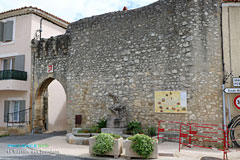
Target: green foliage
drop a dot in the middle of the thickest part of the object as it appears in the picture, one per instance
(95, 129)
(102, 123)
(134, 127)
(83, 131)
(151, 131)
(5, 135)
(115, 136)
(104, 143)
(142, 145)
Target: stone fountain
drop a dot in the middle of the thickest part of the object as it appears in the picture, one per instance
(117, 121)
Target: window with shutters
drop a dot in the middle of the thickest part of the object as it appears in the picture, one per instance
(13, 68)
(6, 30)
(13, 63)
(14, 111)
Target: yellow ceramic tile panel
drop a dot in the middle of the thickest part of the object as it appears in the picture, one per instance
(170, 101)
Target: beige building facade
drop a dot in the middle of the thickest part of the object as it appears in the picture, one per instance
(231, 51)
(17, 29)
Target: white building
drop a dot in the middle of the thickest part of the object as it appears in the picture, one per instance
(17, 28)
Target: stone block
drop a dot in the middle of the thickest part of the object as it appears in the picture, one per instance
(71, 139)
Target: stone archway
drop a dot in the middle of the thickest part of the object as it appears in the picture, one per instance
(50, 107)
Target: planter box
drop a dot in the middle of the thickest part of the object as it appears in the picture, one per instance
(130, 153)
(117, 147)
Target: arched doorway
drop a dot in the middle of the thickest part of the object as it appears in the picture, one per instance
(50, 107)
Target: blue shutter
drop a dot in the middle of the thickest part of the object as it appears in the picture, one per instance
(6, 110)
(19, 63)
(1, 31)
(8, 31)
(22, 111)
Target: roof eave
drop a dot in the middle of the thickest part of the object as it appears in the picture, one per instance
(31, 10)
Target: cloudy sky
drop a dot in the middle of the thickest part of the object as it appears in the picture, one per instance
(72, 10)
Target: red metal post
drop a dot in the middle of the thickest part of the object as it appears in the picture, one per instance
(228, 139)
(190, 137)
(180, 134)
(225, 146)
(158, 130)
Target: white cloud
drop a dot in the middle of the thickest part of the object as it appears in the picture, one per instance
(72, 10)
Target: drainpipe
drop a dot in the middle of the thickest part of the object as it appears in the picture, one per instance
(40, 30)
(224, 78)
(33, 98)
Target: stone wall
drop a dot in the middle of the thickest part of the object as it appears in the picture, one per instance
(168, 45)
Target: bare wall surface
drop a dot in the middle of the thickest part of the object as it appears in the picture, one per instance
(231, 40)
(168, 45)
(57, 113)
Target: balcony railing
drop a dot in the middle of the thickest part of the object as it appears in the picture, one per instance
(13, 74)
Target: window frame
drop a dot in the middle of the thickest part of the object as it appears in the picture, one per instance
(13, 105)
(13, 35)
(16, 115)
(11, 63)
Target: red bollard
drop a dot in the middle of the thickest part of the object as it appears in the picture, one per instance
(225, 146)
(180, 130)
(190, 137)
(158, 130)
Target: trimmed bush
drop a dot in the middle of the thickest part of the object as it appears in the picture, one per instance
(142, 145)
(104, 143)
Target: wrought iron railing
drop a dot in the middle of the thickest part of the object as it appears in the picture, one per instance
(13, 74)
(18, 118)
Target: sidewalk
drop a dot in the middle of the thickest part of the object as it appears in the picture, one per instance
(167, 150)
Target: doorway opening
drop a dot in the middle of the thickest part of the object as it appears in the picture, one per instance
(50, 107)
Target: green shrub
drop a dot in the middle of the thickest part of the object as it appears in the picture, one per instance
(142, 145)
(94, 129)
(134, 127)
(84, 131)
(102, 123)
(80, 131)
(151, 131)
(4, 135)
(115, 136)
(104, 143)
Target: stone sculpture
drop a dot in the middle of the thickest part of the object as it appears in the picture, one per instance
(118, 118)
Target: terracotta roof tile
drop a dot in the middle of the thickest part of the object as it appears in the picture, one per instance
(231, 0)
(34, 10)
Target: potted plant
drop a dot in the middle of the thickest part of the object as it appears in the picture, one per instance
(106, 144)
(141, 145)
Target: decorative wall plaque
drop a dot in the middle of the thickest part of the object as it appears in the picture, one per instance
(171, 101)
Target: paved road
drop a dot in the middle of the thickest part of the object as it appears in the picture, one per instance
(9, 152)
(42, 157)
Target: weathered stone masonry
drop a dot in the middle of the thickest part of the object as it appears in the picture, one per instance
(168, 45)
